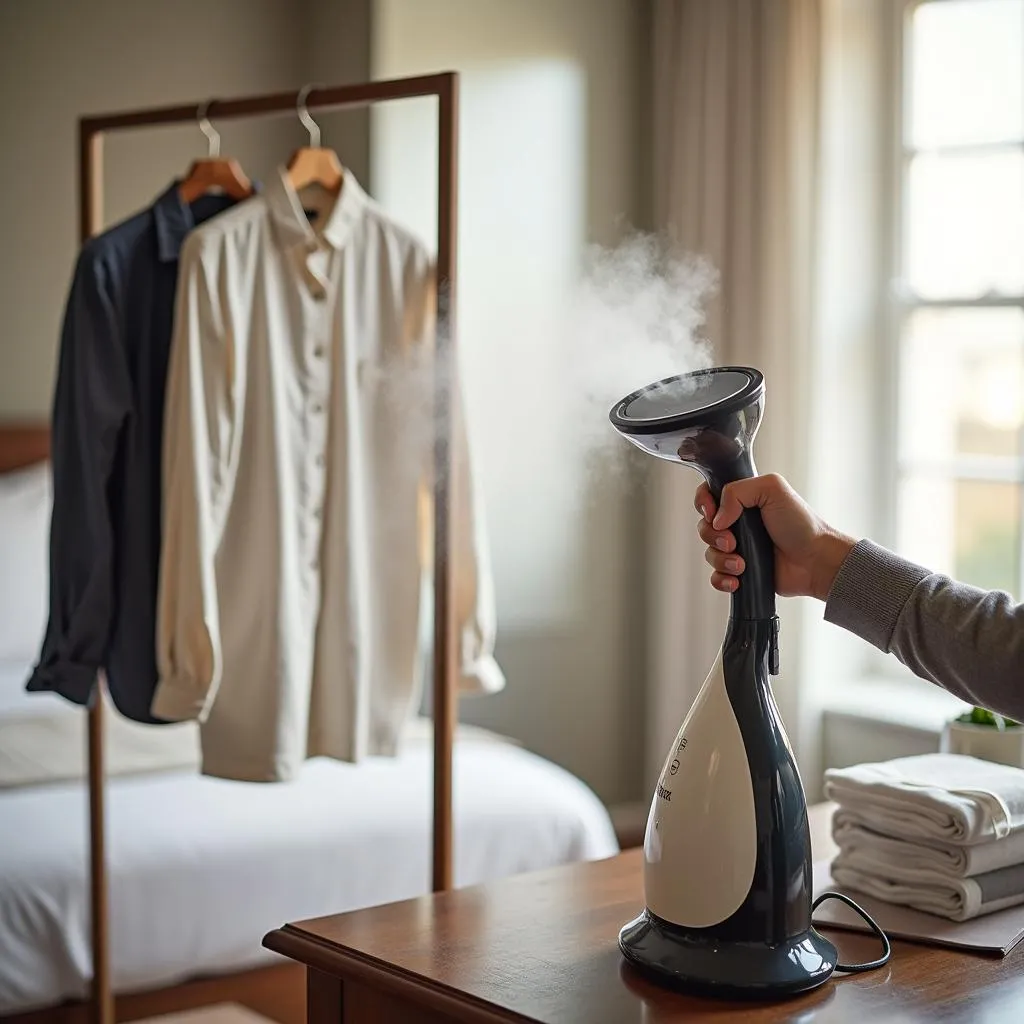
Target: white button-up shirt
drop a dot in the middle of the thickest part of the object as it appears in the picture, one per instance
(296, 524)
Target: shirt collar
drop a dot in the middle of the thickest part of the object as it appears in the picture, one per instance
(290, 221)
(173, 219)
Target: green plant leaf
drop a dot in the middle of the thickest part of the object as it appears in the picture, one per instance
(981, 716)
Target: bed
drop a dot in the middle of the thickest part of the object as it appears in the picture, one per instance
(201, 868)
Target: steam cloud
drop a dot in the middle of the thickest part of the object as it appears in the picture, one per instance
(634, 318)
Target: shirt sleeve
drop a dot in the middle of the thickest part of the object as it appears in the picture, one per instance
(197, 458)
(966, 640)
(91, 402)
(473, 585)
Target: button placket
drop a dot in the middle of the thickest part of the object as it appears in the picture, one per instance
(316, 397)
(317, 267)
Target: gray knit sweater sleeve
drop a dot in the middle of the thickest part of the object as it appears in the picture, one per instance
(969, 641)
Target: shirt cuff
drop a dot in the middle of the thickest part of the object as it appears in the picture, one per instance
(483, 676)
(870, 591)
(72, 680)
(179, 699)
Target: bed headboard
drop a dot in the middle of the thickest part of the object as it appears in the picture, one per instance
(23, 444)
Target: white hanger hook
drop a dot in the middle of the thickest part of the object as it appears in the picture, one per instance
(303, 111)
(211, 133)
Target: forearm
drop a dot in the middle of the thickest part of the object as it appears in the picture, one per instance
(969, 641)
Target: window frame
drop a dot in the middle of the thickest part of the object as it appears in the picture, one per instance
(898, 303)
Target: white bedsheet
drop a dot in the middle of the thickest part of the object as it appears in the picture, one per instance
(201, 868)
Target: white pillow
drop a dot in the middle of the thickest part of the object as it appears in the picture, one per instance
(26, 498)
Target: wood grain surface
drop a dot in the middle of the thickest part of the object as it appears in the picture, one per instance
(542, 947)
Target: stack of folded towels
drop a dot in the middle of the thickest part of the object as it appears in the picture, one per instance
(940, 833)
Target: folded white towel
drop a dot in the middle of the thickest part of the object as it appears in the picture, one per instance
(958, 899)
(907, 861)
(944, 797)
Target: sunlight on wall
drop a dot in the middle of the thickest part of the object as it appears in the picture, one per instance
(521, 233)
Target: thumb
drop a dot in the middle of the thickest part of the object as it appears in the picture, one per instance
(736, 497)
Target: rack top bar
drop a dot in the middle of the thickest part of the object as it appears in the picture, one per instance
(274, 103)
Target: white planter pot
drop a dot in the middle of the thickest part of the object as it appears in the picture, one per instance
(985, 742)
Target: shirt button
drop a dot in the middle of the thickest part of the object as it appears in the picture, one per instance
(320, 460)
(319, 294)
(319, 351)
(317, 407)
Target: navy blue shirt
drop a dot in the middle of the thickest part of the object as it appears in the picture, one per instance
(107, 433)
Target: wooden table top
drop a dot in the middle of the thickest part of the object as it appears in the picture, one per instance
(542, 947)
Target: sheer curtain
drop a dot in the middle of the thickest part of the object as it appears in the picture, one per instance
(737, 144)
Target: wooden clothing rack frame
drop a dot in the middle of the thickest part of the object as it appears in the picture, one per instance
(445, 87)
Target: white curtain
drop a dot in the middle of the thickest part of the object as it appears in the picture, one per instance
(736, 126)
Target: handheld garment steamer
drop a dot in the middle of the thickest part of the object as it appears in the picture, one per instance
(727, 852)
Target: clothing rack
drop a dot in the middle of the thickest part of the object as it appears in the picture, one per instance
(90, 135)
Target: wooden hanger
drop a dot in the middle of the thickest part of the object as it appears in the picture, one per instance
(215, 173)
(312, 164)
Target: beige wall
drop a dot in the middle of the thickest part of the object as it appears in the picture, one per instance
(59, 60)
(551, 157)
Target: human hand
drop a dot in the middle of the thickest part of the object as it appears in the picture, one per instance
(808, 552)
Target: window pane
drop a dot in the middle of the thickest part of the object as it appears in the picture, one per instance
(961, 384)
(988, 534)
(965, 225)
(966, 72)
(967, 529)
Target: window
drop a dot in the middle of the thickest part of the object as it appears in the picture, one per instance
(958, 460)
